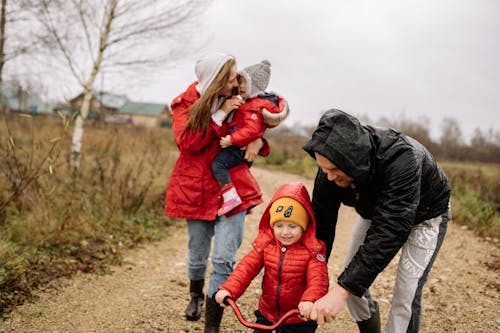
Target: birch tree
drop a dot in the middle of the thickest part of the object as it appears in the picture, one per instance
(117, 35)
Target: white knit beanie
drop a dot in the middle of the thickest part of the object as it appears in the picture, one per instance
(257, 77)
(208, 67)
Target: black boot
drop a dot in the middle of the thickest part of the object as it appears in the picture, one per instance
(193, 310)
(213, 316)
(371, 325)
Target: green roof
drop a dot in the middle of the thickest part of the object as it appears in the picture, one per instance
(145, 109)
(110, 100)
(106, 99)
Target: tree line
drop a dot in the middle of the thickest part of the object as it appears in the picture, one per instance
(450, 145)
(483, 146)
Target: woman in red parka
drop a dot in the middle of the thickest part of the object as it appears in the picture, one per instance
(193, 194)
(295, 271)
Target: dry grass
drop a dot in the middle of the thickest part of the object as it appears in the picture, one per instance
(476, 196)
(53, 222)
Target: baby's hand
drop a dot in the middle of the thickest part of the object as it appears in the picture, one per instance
(221, 295)
(226, 141)
(231, 104)
(305, 309)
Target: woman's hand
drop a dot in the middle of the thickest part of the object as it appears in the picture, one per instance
(231, 104)
(252, 149)
(221, 295)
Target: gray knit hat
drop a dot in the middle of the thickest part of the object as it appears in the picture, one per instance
(257, 77)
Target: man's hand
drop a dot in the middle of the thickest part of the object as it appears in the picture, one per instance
(252, 150)
(328, 307)
(226, 141)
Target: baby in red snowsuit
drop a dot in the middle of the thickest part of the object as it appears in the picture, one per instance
(295, 271)
(249, 122)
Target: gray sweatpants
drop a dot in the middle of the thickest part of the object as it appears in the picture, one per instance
(417, 257)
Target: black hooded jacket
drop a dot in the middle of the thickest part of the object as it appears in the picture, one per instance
(396, 184)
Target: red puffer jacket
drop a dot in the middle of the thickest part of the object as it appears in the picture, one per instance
(291, 274)
(248, 121)
(192, 192)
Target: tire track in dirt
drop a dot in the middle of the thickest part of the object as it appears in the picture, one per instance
(149, 292)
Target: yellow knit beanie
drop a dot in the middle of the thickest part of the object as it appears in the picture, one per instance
(288, 209)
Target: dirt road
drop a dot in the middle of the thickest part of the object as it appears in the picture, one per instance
(149, 292)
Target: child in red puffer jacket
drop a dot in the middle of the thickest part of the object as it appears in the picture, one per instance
(295, 271)
(249, 122)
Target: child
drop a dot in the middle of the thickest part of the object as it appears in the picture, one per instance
(261, 110)
(295, 271)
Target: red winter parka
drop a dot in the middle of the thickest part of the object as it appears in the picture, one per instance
(291, 274)
(192, 192)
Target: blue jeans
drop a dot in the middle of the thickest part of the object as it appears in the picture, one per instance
(228, 232)
(225, 160)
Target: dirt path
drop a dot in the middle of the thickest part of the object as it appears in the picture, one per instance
(149, 292)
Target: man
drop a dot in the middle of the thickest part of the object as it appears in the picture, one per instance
(402, 197)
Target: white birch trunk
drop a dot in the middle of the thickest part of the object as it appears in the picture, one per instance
(76, 146)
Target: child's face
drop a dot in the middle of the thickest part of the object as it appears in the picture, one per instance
(287, 232)
(242, 88)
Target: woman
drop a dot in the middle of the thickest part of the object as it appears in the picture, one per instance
(198, 123)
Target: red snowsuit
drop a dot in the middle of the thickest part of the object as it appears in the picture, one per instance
(291, 274)
(248, 124)
(192, 191)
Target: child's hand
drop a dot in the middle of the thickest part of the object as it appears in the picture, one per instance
(226, 141)
(221, 295)
(305, 309)
(231, 104)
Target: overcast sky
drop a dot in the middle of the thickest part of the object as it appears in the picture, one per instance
(385, 58)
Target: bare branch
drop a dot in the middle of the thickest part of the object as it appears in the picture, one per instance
(159, 22)
(48, 23)
(85, 28)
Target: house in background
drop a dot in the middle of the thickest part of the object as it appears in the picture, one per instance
(102, 104)
(19, 100)
(118, 109)
(142, 114)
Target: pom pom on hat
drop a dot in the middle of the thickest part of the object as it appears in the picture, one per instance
(206, 69)
(257, 77)
(288, 209)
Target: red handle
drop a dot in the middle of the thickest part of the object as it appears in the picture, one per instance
(229, 301)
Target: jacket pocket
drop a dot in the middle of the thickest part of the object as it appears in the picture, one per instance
(187, 190)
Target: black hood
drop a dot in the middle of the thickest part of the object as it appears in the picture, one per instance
(345, 142)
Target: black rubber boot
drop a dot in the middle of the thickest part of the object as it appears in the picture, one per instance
(213, 316)
(371, 325)
(193, 310)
